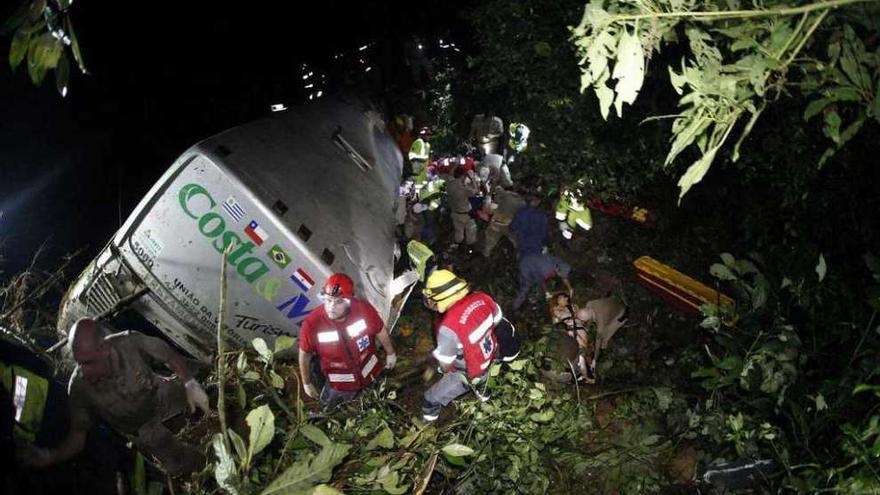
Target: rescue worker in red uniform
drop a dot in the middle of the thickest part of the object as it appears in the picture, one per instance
(472, 333)
(341, 333)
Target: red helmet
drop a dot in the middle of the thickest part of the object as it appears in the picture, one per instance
(339, 285)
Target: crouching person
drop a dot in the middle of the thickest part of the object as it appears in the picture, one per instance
(471, 334)
(341, 333)
(113, 381)
(572, 341)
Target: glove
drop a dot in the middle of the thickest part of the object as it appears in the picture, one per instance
(310, 390)
(390, 361)
(196, 396)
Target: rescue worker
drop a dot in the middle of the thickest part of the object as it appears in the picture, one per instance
(534, 271)
(113, 381)
(459, 192)
(519, 138)
(529, 226)
(421, 258)
(486, 132)
(341, 333)
(572, 214)
(493, 171)
(504, 205)
(471, 334)
(572, 338)
(431, 191)
(419, 155)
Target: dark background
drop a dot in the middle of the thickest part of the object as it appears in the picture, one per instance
(164, 75)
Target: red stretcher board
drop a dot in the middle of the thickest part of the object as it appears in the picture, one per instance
(677, 289)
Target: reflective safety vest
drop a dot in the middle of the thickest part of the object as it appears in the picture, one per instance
(419, 253)
(431, 192)
(570, 210)
(29, 392)
(519, 137)
(473, 320)
(420, 151)
(346, 349)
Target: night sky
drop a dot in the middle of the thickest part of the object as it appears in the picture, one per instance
(163, 78)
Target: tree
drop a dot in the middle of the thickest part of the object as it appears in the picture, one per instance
(43, 34)
(736, 64)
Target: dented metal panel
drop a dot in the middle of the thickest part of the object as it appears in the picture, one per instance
(293, 198)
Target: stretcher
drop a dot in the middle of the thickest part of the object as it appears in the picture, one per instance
(676, 288)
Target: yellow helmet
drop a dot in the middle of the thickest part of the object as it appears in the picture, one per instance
(443, 289)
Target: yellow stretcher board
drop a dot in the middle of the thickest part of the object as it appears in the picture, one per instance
(676, 288)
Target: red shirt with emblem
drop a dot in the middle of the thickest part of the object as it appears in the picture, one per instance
(345, 347)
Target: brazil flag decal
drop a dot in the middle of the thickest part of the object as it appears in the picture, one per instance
(278, 255)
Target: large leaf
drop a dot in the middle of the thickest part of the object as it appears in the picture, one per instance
(237, 444)
(18, 49)
(224, 468)
(384, 439)
(262, 349)
(62, 74)
(302, 477)
(261, 422)
(629, 70)
(721, 272)
(458, 450)
(696, 172)
(315, 434)
(283, 342)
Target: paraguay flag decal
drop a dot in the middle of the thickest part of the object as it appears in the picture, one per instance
(302, 279)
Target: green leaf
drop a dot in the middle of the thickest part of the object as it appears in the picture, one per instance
(302, 477)
(18, 49)
(495, 369)
(832, 126)
(457, 450)
(815, 107)
(455, 453)
(851, 130)
(728, 259)
(864, 387)
(225, 472)
(277, 381)
(62, 74)
(74, 45)
(262, 349)
(606, 97)
(844, 93)
(261, 422)
(821, 405)
(629, 70)
(730, 363)
(821, 268)
(696, 172)
(721, 272)
(241, 363)
(325, 490)
(543, 417)
(238, 444)
(384, 439)
(390, 483)
(517, 365)
(705, 373)
(283, 342)
(315, 434)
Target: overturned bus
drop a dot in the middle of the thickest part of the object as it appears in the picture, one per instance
(293, 198)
